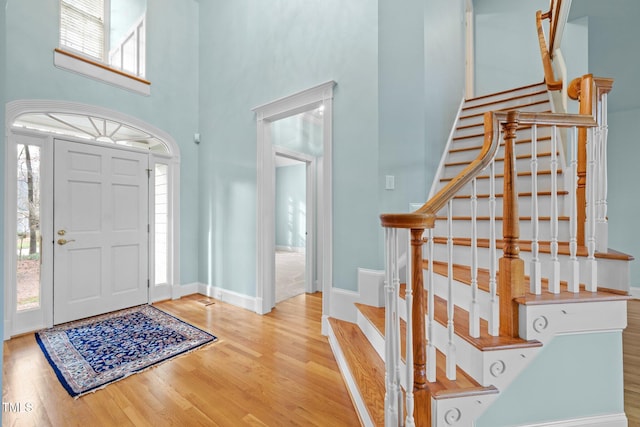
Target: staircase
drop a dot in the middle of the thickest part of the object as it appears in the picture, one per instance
(500, 261)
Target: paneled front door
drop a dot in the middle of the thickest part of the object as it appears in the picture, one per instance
(101, 232)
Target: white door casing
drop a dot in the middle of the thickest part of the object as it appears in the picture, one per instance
(101, 231)
(305, 100)
(19, 322)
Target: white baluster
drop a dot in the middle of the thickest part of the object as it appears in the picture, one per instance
(494, 319)
(474, 311)
(409, 421)
(592, 275)
(554, 274)
(390, 398)
(535, 276)
(431, 347)
(574, 266)
(451, 348)
(602, 232)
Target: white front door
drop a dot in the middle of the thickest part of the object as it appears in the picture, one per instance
(101, 231)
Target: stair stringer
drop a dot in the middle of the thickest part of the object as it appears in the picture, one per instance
(459, 410)
(544, 321)
(489, 367)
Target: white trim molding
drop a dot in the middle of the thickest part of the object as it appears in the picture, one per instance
(611, 420)
(296, 103)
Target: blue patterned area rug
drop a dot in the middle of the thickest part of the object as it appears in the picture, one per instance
(89, 354)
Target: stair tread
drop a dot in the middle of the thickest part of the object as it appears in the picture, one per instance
(543, 247)
(462, 274)
(532, 86)
(481, 134)
(500, 195)
(481, 139)
(500, 159)
(464, 384)
(485, 342)
(365, 365)
(521, 107)
(499, 218)
(525, 173)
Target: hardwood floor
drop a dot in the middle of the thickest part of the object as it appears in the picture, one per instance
(631, 345)
(270, 370)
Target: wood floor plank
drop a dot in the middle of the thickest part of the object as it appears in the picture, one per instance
(631, 350)
(269, 370)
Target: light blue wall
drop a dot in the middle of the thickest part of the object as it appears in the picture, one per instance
(506, 42)
(575, 50)
(124, 13)
(402, 107)
(291, 206)
(613, 35)
(624, 175)
(253, 52)
(172, 106)
(445, 55)
(3, 100)
(571, 364)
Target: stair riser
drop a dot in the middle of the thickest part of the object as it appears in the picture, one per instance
(463, 206)
(526, 91)
(544, 146)
(508, 104)
(523, 185)
(544, 163)
(473, 119)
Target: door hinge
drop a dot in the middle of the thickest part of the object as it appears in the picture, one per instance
(149, 173)
(148, 228)
(148, 283)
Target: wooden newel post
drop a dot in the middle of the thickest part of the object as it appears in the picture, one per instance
(422, 414)
(511, 275)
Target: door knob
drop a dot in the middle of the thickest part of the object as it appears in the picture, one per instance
(64, 241)
(62, 232)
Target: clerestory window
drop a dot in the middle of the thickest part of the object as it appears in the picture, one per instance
(107, 32)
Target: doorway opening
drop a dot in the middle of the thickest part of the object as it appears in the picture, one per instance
(276, 121)
(292, 240)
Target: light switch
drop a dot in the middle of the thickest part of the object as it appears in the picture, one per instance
(390, 182)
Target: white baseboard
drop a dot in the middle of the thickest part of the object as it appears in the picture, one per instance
(179, 291)
(230, 297)
(290, 248)
(612, 420)
(635, 292)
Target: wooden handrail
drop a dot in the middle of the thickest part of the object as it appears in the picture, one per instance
(553, 15)
(549, 78)
(424, 217)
